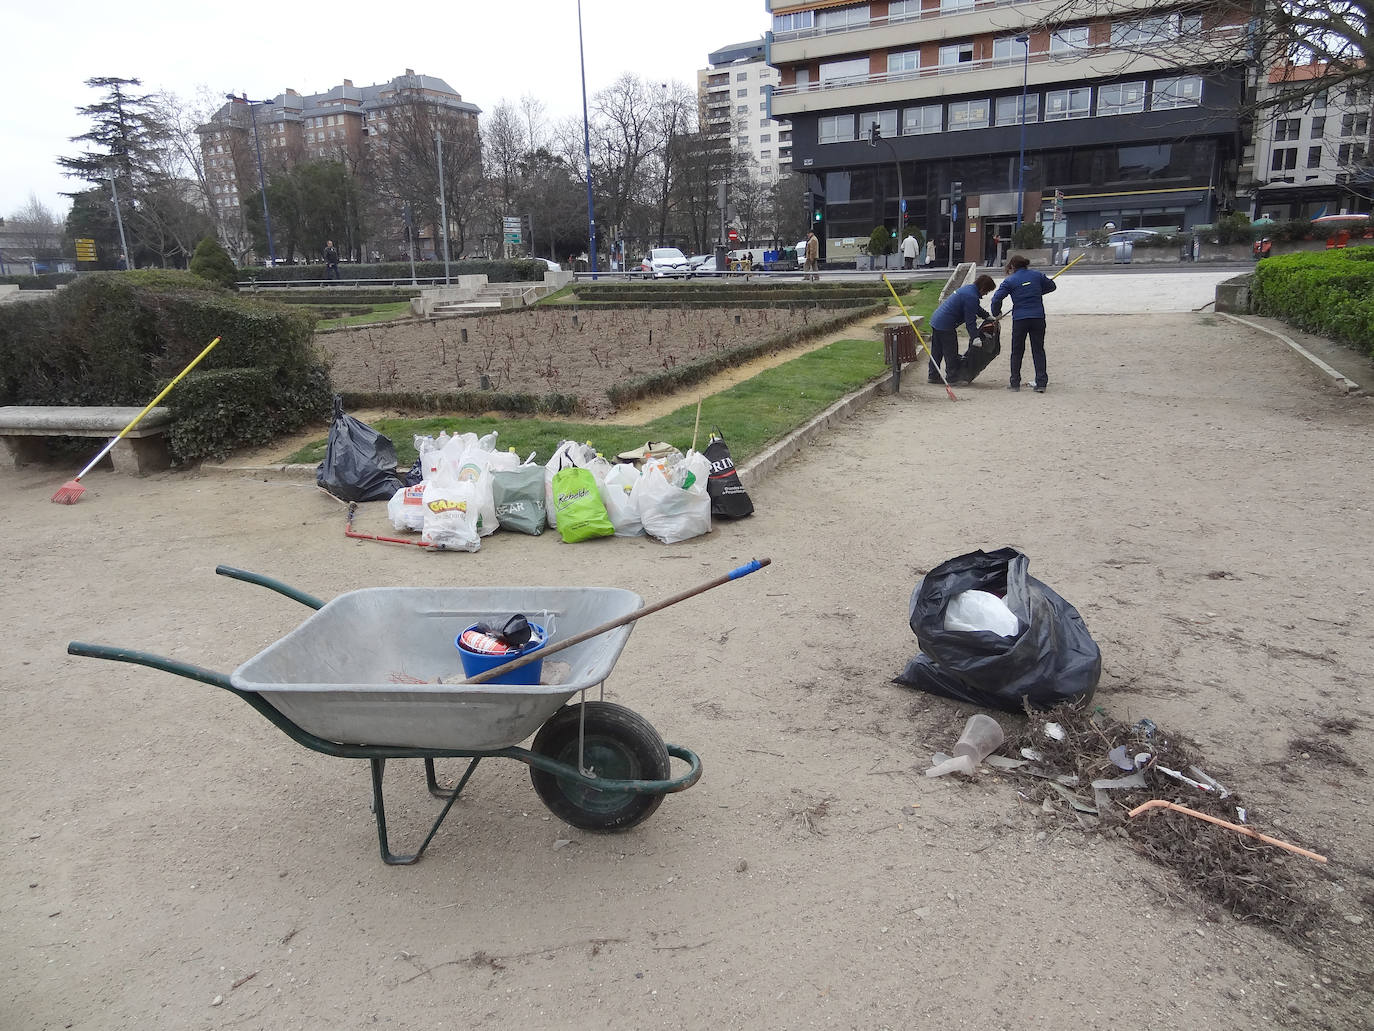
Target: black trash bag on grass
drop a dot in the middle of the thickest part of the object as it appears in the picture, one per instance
(359, 463)
(1051, 659)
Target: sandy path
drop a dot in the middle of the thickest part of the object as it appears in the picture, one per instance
(163, 842)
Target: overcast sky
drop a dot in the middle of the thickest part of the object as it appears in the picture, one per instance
(486, 51)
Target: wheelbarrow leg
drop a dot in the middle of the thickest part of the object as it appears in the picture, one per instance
(379, 809)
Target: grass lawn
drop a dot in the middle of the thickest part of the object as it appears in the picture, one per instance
(373, 313)
(751, 414)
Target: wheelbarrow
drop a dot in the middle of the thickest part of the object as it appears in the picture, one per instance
(360, 679)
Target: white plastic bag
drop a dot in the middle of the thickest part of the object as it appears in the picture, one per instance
(450, 515)
(979, 610)
(473, 466)
(406, 509)
(617, 493)
(671, 513)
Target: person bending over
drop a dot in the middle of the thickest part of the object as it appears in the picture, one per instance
(1025, 287)
(963, 306)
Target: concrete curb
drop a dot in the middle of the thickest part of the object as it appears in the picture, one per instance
(1340, 381)
(762, 465)
(261, 472)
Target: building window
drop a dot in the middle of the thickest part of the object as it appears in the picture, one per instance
(955, 6)
(1350, 153)
(742, 92)
(1319, 127)
(1122, 98)
(1283, 159)
(1179, 91)
(885, 120)
(741, 76)
(763, 105)
(956, 53)
(1314, 157)
(742, 109)
(1067, 40)
(903, 65)
(835, 129)
(837, 73)
(920, 121)
(902, 10)
(793, 22)
(1005, 50)
(1067, 103)
(765, 153)
(1354, 125)
(1009, 109)
(763, 123)
(1145, 31)
(766, 138)
(841, 19)
(1287, 129)
(968, 114)
(741, 141)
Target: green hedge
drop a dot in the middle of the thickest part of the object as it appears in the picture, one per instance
(116, 338)
(1326, 292)
(333, 298)
(495, 271)
(471, 402)
(46, 281)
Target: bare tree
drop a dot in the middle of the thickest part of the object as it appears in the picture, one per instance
(532, 111)
(35, 230)
(503, 147)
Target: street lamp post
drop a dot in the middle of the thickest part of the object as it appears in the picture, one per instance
(1021, 155)
(587, 148)
(262, 182)
(874, 135)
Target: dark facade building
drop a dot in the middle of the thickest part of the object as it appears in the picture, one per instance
(1117, 127)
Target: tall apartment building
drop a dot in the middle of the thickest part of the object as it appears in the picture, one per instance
(734, 94)
(1113, 119)
(340, 122)
(1311, 155)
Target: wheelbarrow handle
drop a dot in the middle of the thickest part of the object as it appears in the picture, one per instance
(138, 658)
(270, 584)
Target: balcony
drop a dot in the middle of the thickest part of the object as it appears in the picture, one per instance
(985, 76)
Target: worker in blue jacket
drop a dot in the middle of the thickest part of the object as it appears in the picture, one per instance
(1025, 286)
(963, 306)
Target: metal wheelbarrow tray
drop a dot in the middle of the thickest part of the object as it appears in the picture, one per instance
(331, 685)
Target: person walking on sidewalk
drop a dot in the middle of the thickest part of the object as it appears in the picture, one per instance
(812, 256)
(331, 260)
(910, 248)
(1025, 287)
(963, 306)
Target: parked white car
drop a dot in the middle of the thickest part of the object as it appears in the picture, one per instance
(702, 263)
(666, 261)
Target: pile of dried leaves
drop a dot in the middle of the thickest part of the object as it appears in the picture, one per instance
(1248, 878)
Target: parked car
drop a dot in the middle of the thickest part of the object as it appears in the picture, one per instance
(552, 265)
(702, 263)
(1123, 241)
(665, 261)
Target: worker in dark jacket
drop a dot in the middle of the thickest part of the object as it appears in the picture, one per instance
(1025, 286)
(963, 306)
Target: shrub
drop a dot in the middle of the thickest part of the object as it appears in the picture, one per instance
(495, 271)
(1233, 228)
(1028, 236)
(1327, 292)
(212, 263)
(115, 338)
(880, 242)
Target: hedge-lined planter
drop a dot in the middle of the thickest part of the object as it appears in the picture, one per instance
(1330, 293)
(115, 338)
(495, 271)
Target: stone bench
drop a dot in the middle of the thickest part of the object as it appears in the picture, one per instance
(143, 449)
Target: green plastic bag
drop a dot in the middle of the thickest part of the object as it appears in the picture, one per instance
(580, 512)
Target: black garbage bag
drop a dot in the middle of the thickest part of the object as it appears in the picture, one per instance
(1051, 659)
(728, 496)
(359, 463)
(982, 350)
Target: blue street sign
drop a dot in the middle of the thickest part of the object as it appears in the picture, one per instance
(903, 205)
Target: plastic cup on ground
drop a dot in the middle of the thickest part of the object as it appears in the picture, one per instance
(981, 737)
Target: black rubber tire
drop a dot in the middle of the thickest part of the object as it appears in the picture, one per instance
(619, 744)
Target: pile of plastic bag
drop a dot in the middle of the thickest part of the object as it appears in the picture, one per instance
(467, 488)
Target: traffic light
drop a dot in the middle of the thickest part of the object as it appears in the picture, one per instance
(818, 215)
(956, 191)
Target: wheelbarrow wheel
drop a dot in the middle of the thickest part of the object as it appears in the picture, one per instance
(618, 744)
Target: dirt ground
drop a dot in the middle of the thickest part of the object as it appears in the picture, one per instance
(173, 861)
(549, 350)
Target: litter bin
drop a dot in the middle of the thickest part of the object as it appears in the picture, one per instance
(899, 344)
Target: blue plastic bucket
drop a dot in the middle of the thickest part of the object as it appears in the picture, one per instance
(479, 662)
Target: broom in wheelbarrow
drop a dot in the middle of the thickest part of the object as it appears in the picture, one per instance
(70, 492)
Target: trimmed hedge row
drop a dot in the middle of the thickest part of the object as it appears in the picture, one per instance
(1327, 292)
(467, 402)
(495, 271)
(332, 298)
(46, 281)
(116, 338)
(712, 290)
(732, 302)
(686, 375)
